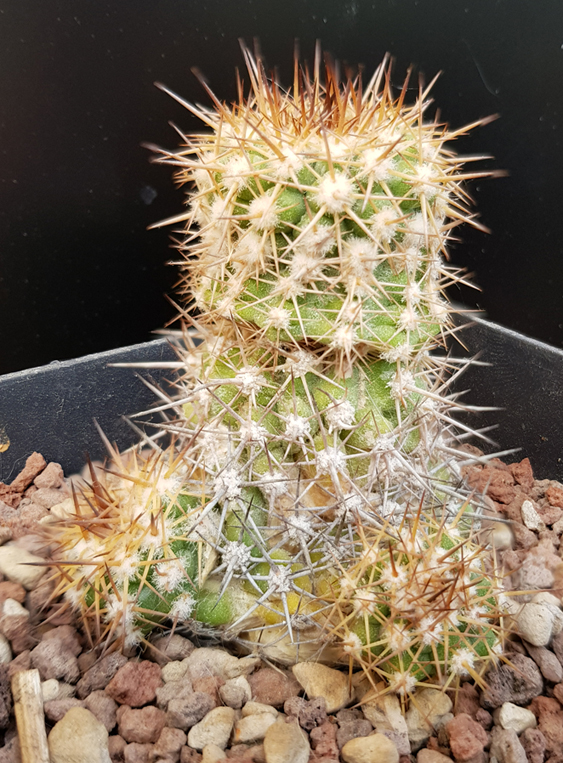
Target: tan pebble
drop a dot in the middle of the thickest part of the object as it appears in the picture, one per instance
(19, 566)
(173, 671)
(214, 728)
(255, 708)
(286, 743)
(79, 737)
(50, 689)
(5, 650)
(253, 728)
(211, 753)
(321, 681)
(432, 756)
(376, 748)
(209, 661)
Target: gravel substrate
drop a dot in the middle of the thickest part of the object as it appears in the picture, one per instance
(188, 703)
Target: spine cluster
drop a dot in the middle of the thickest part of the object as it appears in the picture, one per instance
(312, 502)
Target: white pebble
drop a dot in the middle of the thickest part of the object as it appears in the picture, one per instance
(511, 716)
(211, 753)
(5, 649)
(255, 708)
(50, 689)
(12, 608)
(535, 623)
(173, 671)
(286, 743)
(253, 728)
(530, 517)
(236, 692)
(214, 728)
(19, 566)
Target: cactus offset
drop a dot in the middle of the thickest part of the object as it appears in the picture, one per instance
(312, 502)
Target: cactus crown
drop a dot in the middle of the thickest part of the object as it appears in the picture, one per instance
(312, 502)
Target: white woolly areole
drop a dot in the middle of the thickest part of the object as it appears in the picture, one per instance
(426, 180)
(364, 601)
(251, 250)
(352, 644)
(335, 195)
(402, 683)
(169, 576)
(330, 460)
(182, 607)
(229, 483)
(401, 385)
(279, 580)
(344, 338)
(317, 240)
(263, 213)
(251, 431)
(300, 363)
(235, 173)
(375, 165)
(462, 662)
(359, 257)
(351, 504)
(249, 380)
(340, 416)
(278, 318)
(402, 353)
(273, 485)
(431, 630)
(203, 179)
(297, 427)
(236, 556)
(305, 267)
(298, 527)
(384, 224)
(290, 163)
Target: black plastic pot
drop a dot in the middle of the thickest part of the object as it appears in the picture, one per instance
(52, 409)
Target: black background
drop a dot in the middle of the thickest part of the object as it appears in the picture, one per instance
(78, 270)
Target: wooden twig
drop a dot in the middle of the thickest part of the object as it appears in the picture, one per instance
(30, 720)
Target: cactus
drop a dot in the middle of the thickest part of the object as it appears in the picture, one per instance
(311, 503)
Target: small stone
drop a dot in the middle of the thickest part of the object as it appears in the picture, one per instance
(373, 749)
(323, 740)
(209, 685)
(50, 689)
(100, 674)
(188, 755)
(169, 744)
(550, 721)
(19, 566)
(173, 690)
(138, 753)
(56, 709)
(212, 754)
(183, 713)
(352, 729)
(467, 737)
(5, 650)
(214, 728)
(252, 728)
(534, 623)
(273, 687)
(52, 476)
(9, 590)
(321, 681)
(286, 743)
(34, 465)
(173, 671)
(309, 713)
(547, 662)
(174, 647)
(142, 726)
(103, 707)
(255, 708)
(211, 662)
(116, 747)
(533, 742)
(506, 747)
(79, 738)
(519, 683)
(511, 716)
(530, 517)
(235, 692)
(67, 635)
(135, 684)
(432, 756)
(54, 660)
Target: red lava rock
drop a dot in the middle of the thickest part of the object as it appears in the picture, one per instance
(466, 700)
(56, 709)
(349, 714)
(116, 747)
(33, 467)
(324, 742)
(550, 721)
(169, 744)
(163, 649)
(467, 737)
(11, 752)
(86, 660)
(547, 662)
(273, 687)
(523, 474)
(497, 483)
(309, 713)
(533, 742)
(5, 697)
(16, 626)
(554, 494)
(518, 684)
(484, 718)
(9, 590)
(185, 713)
(51, 477)
(47, 497)
(67, 635)
(103, 707)
(188, 755)
(142, 726)
(137, 753)
(100, 674)
(209, 685)
(54, 659)
(135, 684)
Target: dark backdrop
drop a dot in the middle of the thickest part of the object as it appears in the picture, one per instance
(79, 272)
